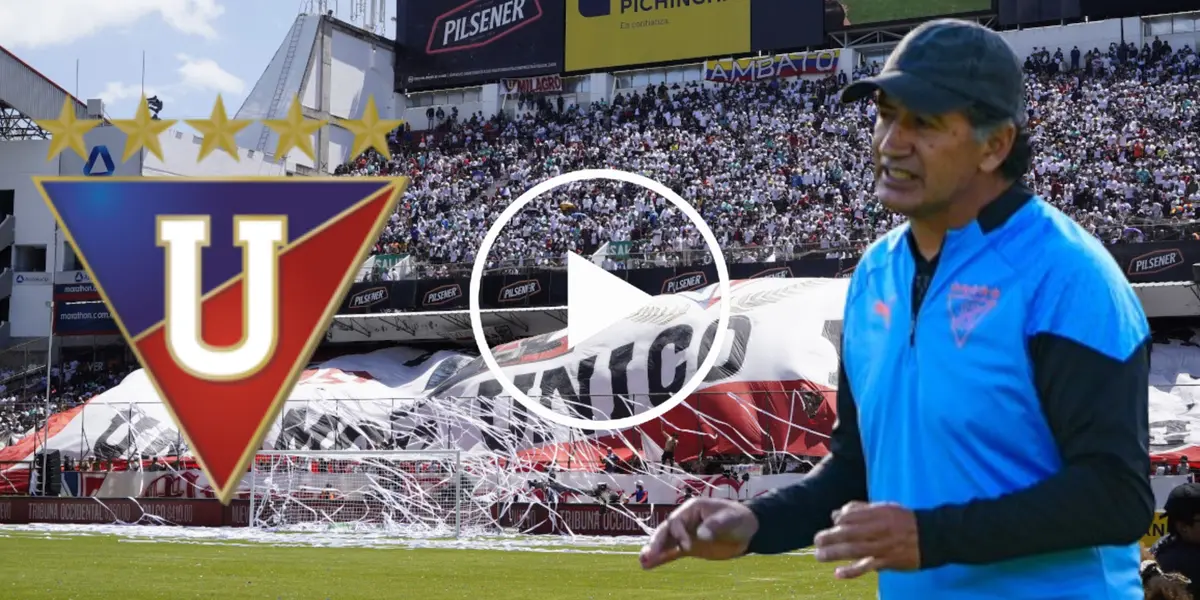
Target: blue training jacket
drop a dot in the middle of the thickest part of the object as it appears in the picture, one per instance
(1007, 407)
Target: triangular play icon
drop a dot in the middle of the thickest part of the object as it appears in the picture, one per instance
(115, 225)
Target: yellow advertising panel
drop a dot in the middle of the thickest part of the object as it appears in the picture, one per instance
(1157, 529)
(614, 33)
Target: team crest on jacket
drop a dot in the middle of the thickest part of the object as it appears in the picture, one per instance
(222, 287)
(968, 304)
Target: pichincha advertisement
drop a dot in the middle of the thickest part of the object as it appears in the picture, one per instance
(625, 33)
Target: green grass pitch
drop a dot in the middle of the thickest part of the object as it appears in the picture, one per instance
(60, 567)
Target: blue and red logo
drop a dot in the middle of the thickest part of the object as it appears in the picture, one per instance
(223, 288)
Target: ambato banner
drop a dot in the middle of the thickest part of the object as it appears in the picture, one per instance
(780, 66)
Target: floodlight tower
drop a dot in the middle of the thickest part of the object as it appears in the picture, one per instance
(370, 15)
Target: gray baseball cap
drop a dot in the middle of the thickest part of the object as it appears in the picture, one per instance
(947, 65)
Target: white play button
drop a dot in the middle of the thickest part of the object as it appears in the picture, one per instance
(596, 299)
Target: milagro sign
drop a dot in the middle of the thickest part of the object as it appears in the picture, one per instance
(547, 84)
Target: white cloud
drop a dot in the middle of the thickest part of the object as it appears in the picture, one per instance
(206, 74)
(195, 75)
(40, 23)
(115, 91)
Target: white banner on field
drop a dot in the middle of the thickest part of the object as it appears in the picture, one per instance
(780, 355)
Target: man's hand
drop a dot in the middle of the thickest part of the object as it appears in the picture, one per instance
(708, 528)
(876, 537)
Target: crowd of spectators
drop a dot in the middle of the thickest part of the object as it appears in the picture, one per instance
(74, 381)
(777, 168)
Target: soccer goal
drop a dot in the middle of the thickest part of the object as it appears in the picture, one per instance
(419, 493)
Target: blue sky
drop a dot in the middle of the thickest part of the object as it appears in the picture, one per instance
(195, 49)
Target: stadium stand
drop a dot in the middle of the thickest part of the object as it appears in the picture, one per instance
(779, 167)
(79, 376)
(776, 168)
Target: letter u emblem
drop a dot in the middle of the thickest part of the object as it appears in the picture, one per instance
(260, 238)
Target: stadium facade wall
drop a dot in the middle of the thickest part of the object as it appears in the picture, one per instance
(333, 68)
(20, 161)
(1096, 34)
(181, 149)
(281, 79)
(1178, 29)
(360, 69)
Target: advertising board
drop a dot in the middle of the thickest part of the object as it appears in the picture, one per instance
(624, 33)
(83, 318)
(446, 43)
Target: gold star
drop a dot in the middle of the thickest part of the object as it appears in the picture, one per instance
(142, 132)
(67, 131)
(370, 131)
(218, 131)
(295, 131)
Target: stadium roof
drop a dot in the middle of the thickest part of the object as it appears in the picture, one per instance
(27, 95)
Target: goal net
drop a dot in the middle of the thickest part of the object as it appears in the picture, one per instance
(417, 494)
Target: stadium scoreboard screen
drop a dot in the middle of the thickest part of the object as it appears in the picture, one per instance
(855, 13)
(1022, 12)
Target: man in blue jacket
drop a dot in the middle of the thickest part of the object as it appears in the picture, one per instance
(992, 437)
